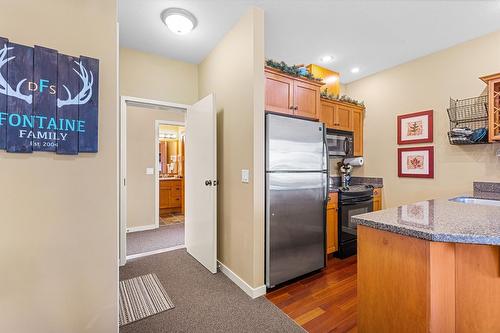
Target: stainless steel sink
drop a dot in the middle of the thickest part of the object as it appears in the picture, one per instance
(475, 201)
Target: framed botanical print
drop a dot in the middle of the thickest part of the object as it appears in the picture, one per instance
(416, 162)
(415, 127)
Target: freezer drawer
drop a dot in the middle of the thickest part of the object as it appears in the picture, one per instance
(295, 225)
(294, 144)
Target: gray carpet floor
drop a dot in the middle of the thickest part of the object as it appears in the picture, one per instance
(161, 238)
(204, 302)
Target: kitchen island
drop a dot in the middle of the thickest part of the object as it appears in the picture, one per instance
(432, 266)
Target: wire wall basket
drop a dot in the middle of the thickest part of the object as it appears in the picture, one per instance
(468, 120)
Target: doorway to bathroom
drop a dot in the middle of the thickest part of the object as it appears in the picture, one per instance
(155, 167)
(168, 179)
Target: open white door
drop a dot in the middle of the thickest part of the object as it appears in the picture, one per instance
(201, 182)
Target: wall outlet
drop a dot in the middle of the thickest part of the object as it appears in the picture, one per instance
(245, 176)
(150, 171)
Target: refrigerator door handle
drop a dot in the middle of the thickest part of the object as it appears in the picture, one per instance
(326, 160)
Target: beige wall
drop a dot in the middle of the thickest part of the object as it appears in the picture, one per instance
(234, 71)
(59, 247)
(141, 155)
(428, 83)
(151, 76)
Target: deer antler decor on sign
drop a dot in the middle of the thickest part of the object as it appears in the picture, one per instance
(5, 88)
(85, 94)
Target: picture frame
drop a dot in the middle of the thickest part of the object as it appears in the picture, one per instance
(416, 162)
(415, 127)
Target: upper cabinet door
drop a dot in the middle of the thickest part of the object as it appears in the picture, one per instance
(342, 117)
(306, 100)
(494, 110)
(357, 121)
(326, 114)
(279, 94)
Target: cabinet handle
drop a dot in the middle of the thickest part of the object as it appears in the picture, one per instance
(291, 107)
(296, 108)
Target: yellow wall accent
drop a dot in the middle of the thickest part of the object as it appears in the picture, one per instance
(331, 78)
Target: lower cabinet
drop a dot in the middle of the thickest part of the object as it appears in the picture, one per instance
(332, 208)
(377, 199)
(171, 194)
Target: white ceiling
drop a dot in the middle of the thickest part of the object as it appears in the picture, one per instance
(372, 35)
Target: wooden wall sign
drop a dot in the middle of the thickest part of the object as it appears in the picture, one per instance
(48, 100)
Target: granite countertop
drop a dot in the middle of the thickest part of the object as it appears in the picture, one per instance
(442, 220)
(170, 178)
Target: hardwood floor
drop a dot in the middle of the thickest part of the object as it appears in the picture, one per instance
(323, 302)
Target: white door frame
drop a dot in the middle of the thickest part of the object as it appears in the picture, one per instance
(124, 101)
(157, 176)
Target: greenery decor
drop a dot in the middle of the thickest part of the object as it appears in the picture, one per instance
(292, 70)
(343, 98)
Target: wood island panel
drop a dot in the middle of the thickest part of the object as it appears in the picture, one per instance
(391, 282)
(478, 288)
(406, 284)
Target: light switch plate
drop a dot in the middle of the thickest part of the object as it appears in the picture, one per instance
(150, 171)
(245, 176)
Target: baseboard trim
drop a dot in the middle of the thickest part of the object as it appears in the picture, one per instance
(142, 228)
(150, 253)
(250, 291)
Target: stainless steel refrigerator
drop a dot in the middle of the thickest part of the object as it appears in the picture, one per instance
(296, 195)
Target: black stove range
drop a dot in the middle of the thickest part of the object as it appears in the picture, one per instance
(355, 200)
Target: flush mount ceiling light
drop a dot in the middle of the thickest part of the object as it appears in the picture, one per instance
(179, 20)
(355, 70)
(327, 58)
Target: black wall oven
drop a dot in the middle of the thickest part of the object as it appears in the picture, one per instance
(354, 201)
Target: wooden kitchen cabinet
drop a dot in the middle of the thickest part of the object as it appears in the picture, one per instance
(171, 194)
(326, 113)
(332, 239)
(357, 129)
(291, 95)
(342, 117)
(493, 82)
(306, 99)
(377, 199)
(279, 93)
(345, 117)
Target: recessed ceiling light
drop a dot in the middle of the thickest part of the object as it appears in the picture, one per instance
(355, 70)
(179, 20)
(327, 58)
